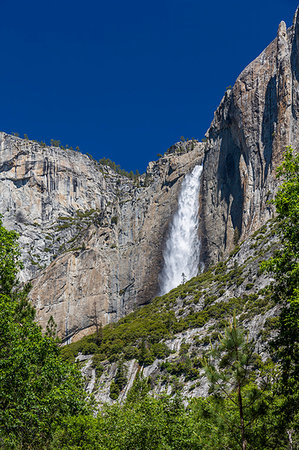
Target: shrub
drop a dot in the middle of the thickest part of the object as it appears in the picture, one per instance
(89, 348)
(130, 352)
(114, 390)
(119, 382)
(96, 364)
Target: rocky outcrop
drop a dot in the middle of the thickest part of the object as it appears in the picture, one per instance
(238, 279)
(254, 123)
(91, 239)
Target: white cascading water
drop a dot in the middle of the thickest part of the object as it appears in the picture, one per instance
(182, 250)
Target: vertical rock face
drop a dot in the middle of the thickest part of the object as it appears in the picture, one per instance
(92, 240)
(254, 123)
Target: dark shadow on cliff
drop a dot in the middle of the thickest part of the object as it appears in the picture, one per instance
(229, 181)
(268, 124)
(295, 56)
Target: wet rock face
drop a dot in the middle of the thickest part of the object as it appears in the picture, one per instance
(91, 239)
(254, 123)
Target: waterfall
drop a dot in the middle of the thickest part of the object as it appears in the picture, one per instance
(181, 253)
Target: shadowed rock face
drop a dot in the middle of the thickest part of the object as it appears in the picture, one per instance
(92, 241)
(254, 123)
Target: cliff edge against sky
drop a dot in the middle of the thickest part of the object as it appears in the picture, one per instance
(92, 240)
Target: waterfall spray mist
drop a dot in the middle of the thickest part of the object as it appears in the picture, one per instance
(182, 250)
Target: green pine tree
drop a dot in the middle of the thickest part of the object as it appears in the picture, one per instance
(229, 367)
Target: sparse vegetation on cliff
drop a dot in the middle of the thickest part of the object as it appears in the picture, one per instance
(43, 405)
(213, 364)
(102, 162)
(260, 408)
(190, 305)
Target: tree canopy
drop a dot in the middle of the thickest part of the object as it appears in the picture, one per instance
(252, 405)
(284, 266)
(37, 388)
(9, 259)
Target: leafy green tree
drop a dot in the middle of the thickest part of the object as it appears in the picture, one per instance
(267, 413)
(55, 143)
(9, 260)
(145, 357)
(156, 424)
(240, 413)
(37, 388)
(284, 266)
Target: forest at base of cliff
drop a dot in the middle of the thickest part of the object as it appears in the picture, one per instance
(252, 404)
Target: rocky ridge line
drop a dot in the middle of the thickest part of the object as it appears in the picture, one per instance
(92, 241)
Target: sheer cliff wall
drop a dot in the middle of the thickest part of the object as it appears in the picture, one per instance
(254, 123)
(92, 240)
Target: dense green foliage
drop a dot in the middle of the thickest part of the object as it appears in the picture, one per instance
(285, 265)
(140, 334)
(252, 405)
(165, 423)
(37, 388)
(239, 412)
(285, 268)
(232, 367)
(119, 382)
(116, 168)
(9, 259)
(146, 424)
(219, 421)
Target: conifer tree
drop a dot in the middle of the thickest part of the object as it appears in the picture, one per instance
(229, 367)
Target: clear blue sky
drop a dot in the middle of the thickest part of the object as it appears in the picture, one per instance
(125, 79)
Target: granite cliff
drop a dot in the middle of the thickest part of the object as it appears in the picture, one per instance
(254, 123)
(92, 240)
(178, 327)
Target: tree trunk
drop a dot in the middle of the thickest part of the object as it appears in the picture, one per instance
(244, 442)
